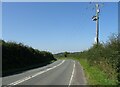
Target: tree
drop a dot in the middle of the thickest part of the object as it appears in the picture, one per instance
(65, 54)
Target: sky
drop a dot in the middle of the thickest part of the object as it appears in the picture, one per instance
(57, 26)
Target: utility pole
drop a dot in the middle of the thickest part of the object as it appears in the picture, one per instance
(96, 18)
(97, 23)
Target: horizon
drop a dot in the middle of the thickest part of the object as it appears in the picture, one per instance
(57, 26)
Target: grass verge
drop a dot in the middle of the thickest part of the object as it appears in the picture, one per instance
(94, 75)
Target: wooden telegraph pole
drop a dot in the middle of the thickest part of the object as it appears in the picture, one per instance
(96, 18)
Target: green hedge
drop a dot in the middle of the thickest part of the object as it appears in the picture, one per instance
(17, 55)
(106, 56)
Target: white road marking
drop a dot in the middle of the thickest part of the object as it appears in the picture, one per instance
(83, 74)
(30, 77)
(72, 75)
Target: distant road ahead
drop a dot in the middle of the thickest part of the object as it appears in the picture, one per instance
(61, 72)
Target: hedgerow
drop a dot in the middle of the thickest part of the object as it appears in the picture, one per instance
(106, 56)
(17, 55)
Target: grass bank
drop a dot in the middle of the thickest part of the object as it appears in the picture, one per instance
(101, 62)
(95, 75)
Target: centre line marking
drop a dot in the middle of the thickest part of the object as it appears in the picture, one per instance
(30, 77)
(72, 75)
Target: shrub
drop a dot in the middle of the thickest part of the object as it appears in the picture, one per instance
(17, 55)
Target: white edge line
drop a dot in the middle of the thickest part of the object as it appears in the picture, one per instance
(72, 75)
(83, 74)
(30, 77)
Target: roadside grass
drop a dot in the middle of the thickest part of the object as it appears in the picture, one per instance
(94, 75)
(61, 58)
(101, 62)
(53, 61)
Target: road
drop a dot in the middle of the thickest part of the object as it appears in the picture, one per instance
(61, 72)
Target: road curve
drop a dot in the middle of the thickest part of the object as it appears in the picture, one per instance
(61, 72)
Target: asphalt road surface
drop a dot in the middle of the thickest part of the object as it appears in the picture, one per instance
(61, 72)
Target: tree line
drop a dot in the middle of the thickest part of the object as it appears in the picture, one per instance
(17, 56)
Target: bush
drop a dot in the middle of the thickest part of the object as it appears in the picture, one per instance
(106, 56)
(17, 55)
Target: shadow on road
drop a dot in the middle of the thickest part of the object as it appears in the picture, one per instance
(21, 70)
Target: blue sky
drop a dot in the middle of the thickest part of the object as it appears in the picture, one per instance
(57, 27)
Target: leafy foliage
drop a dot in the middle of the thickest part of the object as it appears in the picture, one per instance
(17, 55)
(105, 56)
(66, 54)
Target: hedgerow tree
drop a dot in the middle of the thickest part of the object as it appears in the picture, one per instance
(17, 55)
